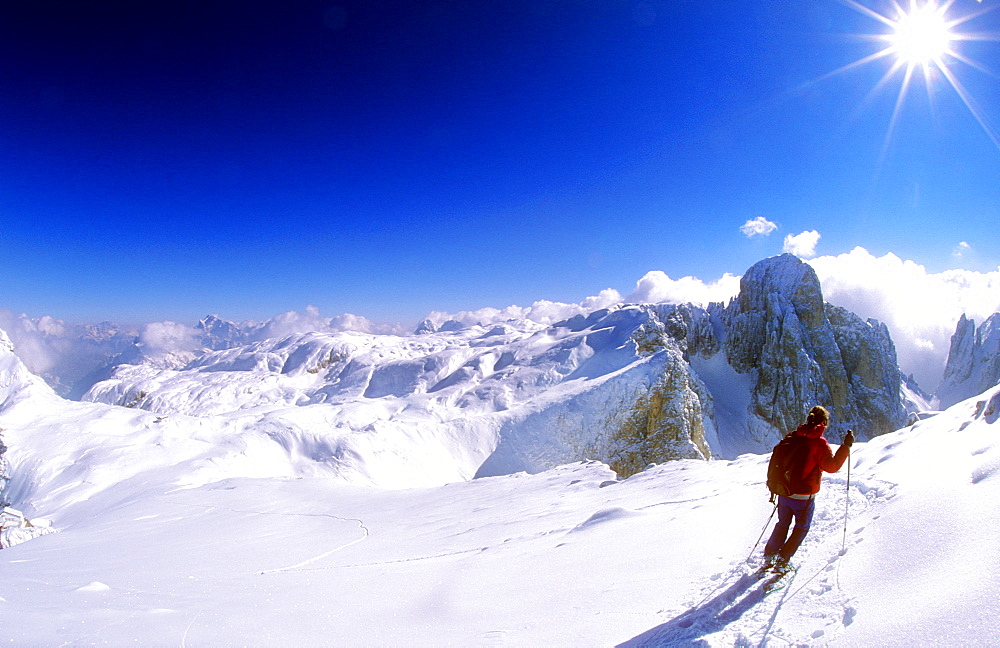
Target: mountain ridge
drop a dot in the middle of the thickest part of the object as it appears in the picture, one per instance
(628, 385)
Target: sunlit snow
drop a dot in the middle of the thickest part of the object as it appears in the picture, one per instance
(184, 531)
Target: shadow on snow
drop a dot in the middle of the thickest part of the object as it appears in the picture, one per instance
(711, 616)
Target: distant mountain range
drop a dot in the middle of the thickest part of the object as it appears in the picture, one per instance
(629, 385)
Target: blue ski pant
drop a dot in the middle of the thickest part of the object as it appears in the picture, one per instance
(788, 508)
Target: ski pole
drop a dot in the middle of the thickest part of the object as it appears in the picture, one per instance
(847, 503)
(762, 532)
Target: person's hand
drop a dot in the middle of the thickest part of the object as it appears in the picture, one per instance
(849, 438)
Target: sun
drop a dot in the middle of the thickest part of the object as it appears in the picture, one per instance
(921, 36)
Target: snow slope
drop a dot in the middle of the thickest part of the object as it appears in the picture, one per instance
(420, 410)
(195, 531)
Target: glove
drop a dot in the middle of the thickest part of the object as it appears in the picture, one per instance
(849, 438)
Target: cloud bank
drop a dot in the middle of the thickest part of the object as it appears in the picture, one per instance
(543, 311)
(656, 288)
(157, 338)
(920, 308)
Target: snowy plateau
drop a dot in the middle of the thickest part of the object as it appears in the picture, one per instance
(596, 482)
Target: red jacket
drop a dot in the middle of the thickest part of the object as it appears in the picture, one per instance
(821, 457)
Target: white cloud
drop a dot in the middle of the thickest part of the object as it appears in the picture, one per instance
(759, 226)
(295, 322)
(802, 245)
(919, 308)
(961, 249)
(656, 287)
(361, 324)
(50, 326)
(603, 299)
(32, 339)
(166, 337)
(543, 311)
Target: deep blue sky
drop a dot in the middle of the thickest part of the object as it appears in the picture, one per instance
(166, 160)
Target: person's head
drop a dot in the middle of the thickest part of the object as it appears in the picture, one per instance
(818, 416)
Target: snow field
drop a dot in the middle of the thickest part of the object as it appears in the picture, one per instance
(933, 560)
(566, 557)
(236, 529)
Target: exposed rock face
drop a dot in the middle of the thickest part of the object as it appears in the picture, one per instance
(649, 408)
(665, 423)
(874, 405)
(973, 361)
(695, 330)
(801, 352)
(778, 332)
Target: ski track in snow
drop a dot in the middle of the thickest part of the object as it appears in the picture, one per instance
(365, 533)
(300, 565)
(305, 565)
(187, 630)
(734, 608)
(683, 501)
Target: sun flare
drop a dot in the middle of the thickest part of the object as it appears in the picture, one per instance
(920, 35)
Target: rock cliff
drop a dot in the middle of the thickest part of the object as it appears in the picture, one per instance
(973, 364)
(799, 351)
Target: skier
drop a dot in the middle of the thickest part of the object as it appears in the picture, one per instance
(806, 478)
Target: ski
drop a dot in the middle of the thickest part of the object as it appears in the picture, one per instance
(775, 574)
(778, 578)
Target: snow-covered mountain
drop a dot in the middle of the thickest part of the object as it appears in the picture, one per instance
(73, 357)
(69, 357)
(202, 530)
(973, 360)
(629, 385)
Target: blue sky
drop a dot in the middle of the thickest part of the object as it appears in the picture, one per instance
(171, 160)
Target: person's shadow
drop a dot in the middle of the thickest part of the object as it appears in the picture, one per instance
(708, 617)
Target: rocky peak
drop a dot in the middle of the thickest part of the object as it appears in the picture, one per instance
(786, 276)
(218, 334)
(695, 330)
(426, 327)
(801, 352)
(973, 364)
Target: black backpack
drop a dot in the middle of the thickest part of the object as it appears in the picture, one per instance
(784, 471)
